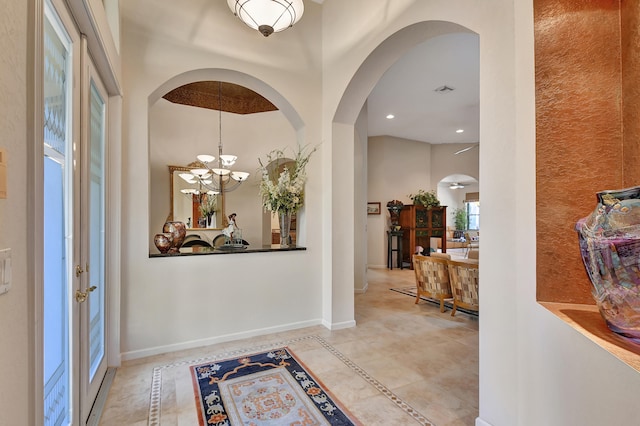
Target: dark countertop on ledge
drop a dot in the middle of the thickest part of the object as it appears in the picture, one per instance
(198, 251)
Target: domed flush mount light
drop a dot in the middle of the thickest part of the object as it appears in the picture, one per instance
(267, 16)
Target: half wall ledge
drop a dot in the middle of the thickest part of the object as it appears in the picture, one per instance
(206, 251)
(586, 319)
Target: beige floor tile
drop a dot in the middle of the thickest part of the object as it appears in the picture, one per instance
(380, 411)
(427, 359)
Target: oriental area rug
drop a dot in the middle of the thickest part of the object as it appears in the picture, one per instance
(299, 381)
(271, 387)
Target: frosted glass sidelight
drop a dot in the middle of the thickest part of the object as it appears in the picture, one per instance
(96, 231)
(57, 198)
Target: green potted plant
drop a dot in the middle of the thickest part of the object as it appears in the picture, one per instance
(428, 199)
(460, 221)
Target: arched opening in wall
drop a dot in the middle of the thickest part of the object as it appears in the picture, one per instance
(214, 112)
(428, 79)
(460, 192)
(397, 163)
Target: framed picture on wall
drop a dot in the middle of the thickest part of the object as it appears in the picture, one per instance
(373, 208)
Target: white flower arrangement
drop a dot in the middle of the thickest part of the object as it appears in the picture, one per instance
(283, 192)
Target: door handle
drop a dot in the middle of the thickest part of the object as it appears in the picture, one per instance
(81, 296)
(79, 269)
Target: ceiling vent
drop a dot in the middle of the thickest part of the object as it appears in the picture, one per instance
(444, 89)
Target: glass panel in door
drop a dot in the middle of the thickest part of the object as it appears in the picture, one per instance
(74, 168)
(58, 211)
(92, 313)
(96, 231)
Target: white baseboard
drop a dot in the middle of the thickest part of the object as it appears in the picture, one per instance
(339, 325)
(377, 266)
(157, 350)
(480, 422)
(361, 290)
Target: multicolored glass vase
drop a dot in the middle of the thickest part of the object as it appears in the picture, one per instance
(610, 245)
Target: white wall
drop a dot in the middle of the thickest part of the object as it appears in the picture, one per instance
(16, 350)
(445, 162)
(171, 303)
(396, 168)
(360, 200)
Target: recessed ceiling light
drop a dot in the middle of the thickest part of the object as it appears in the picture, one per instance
(459, 130)
(390, 116)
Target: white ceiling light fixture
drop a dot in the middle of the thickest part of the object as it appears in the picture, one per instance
(267, 16)
(460, 131)
(456, 185)
(208, 178)
(391, 116)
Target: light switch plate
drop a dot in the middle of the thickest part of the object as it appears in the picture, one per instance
(5, 270)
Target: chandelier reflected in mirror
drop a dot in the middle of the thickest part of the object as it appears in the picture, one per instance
(209, 176)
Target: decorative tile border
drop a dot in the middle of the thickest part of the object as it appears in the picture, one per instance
(375, 383)
(156, 382)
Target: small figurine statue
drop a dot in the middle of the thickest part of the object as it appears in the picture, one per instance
(394, 208)
(231, 228)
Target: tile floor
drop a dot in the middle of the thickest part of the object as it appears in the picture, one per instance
(400, 357)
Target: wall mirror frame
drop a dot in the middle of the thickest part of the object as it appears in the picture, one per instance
(184, 207)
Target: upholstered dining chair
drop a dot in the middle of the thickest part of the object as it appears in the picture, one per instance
(432, 278)
(441, 255)
(473, 241)
(464, 285)
(474, 254)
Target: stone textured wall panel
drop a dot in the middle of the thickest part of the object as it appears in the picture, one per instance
(579, 134)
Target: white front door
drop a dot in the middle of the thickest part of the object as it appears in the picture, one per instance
(74, 303)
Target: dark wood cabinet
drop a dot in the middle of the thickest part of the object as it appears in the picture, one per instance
(419, 224)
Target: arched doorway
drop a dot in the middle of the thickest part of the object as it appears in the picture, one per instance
(350, 220)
